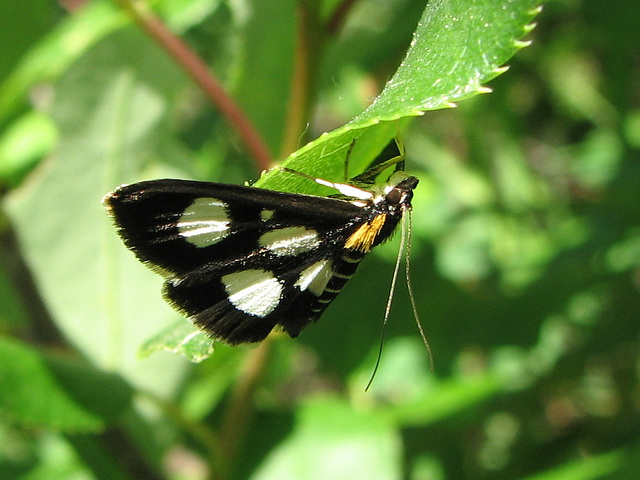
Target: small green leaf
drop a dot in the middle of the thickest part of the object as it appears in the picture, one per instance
(181, 337)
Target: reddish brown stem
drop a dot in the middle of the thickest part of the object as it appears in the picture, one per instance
(199, 72)
(339, 15)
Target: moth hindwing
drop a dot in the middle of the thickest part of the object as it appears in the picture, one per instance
(241, 260)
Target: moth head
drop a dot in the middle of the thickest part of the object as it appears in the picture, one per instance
(398, 190)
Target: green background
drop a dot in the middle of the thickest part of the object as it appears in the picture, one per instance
(525, 254)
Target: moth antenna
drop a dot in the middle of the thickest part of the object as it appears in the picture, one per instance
(302, 136)
(387, 309)
(407, 225)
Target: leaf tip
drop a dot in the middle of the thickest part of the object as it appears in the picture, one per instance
(528, 28)
(500, 70)
(535, 10)
(522, 43)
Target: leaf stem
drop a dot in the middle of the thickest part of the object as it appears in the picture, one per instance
(203, 77)
(339, 15)
(311, 38)
(239, 411)
(308, 47)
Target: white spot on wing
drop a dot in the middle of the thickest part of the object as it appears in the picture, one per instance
(315, 277)
(255, 292)
(267, 214)
(204, 222)
(290, 241)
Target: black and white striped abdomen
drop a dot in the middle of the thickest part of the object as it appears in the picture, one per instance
(343, 269)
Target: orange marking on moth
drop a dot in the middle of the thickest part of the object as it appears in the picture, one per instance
(362, 239)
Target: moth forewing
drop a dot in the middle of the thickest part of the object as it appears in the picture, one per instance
(241, 260)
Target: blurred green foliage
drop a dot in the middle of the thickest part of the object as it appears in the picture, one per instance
(525, 253)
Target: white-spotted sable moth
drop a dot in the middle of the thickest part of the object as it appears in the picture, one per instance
(241, 261)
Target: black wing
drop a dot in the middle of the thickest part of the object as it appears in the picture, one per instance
(239, 260)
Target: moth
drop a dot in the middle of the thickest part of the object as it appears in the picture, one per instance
(241, 261)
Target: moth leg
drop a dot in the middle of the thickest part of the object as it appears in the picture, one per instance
(395, 151)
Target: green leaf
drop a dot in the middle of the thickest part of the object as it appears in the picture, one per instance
(484, 34)
(57, 51)
(23, 144)
(331, 438)
(410, 394)
(69, 40)
(36, 14)
(99, 296)
(44, 391)
(591, 468)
